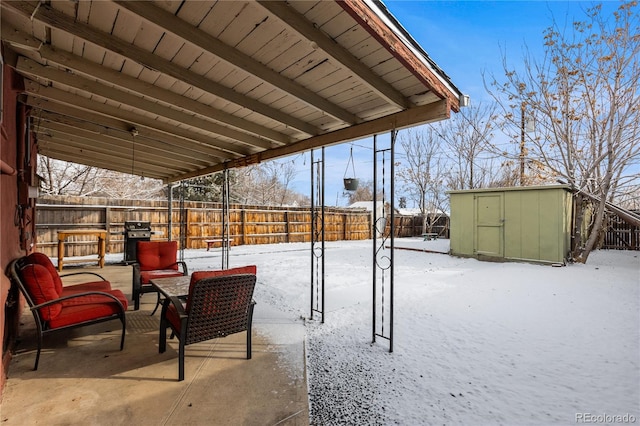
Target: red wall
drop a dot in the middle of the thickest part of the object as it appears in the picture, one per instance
(17, 227)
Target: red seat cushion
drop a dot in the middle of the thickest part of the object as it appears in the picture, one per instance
(157, 255)
(91, 286)
(173, 317)
(41, 287)
(86, 308)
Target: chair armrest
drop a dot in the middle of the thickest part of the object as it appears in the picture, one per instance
(76, 295)
(83, 273)
(179, 307)
(136, 274)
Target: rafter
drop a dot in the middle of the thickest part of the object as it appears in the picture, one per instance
(306, 29)
(77, 118)
(178, 149)
(191, 34)
(125, 144)
(71, 115)
(89, 105)
(83, 66)
(51, 17)
(90, 86)
(80, 65)
(63, 150)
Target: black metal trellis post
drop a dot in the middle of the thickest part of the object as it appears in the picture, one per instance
(183, 220)
(317, 235)
(169, 211)
(225, 219)
(383, 268)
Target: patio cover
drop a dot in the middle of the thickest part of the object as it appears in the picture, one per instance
(177, 89)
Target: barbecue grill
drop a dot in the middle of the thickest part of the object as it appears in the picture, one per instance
(135, 231)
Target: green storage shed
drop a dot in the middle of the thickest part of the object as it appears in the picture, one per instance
(531, 224)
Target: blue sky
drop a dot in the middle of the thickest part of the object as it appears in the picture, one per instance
(465, 39)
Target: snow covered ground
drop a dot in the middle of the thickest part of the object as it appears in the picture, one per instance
(475, 343)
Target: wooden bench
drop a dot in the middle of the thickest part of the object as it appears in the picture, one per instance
(429, 236)
(212, 241)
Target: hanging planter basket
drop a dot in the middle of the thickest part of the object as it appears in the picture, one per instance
(350, 184)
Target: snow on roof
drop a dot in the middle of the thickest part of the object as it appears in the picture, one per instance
(416, 212)
(366, 205)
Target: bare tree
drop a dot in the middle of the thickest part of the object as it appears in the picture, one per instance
(422, 173)
(474, 162)
(364, 192)
(64, 178)
(268, 183)
(583, 97)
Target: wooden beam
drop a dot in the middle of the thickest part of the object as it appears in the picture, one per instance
(169, 22)
(137, 120)
(49, 16)
(33, 68)
(80, 65)
(134, 157)
(52, 111)
(70, 125)
(419, 115)
(372, 23)
(110, 161)
(308, 30)
(18, 38)
(119, 79)
(129, 144)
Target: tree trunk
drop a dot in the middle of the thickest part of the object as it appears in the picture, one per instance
(593, 234)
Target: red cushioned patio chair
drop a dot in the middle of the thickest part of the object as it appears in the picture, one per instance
(154, 259)
(57, 307)
(219, 303)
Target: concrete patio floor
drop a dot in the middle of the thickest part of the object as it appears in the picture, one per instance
(83, 377)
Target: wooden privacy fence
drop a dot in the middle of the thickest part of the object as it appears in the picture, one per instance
(620, 234)
(411, 226)
(247, 224)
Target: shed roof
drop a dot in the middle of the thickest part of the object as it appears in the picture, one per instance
(511, 188)
(175, 89)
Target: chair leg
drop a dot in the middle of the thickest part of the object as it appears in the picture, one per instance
(35, 367)
(181, 362)
(249, 324)
(249, 342)
(136, 299)
(123, 318)
(162, 340)
(157, 304)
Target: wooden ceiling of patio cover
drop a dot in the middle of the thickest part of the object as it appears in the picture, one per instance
(177, 89)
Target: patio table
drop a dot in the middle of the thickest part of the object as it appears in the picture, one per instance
(172, 286)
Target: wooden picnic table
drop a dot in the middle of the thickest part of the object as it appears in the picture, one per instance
(211, 241)
(63, 235)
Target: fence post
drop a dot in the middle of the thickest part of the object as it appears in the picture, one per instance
(187, 239)
(286, 225)
(345, 232)
(107, 226)
(244, 225)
